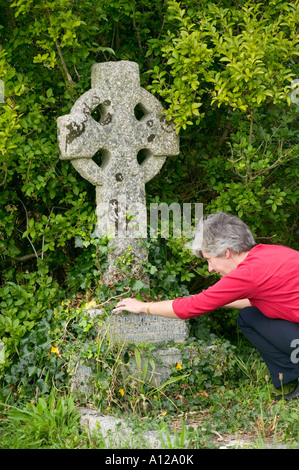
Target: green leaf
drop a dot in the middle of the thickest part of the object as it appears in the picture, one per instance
(137, 285)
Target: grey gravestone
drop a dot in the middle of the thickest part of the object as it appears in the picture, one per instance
(118, 119)
(144, 328)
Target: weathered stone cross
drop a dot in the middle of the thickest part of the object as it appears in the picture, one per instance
(120, 135)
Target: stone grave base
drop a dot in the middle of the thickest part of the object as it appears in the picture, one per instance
(156, 370)
(138, 329)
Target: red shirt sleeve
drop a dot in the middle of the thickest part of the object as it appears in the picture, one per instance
(239, 284)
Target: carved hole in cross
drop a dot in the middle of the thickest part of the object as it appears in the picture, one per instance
(101, 113)
(101, 157)
(140, 112)
(142, 155)
(97, 113)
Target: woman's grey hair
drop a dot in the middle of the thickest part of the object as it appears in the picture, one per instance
(217, 232)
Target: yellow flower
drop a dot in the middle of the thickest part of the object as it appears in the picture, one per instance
(121, 391)
(178, 366)
(164, 413)
(62, 303)
(54, 350)
(108, 408)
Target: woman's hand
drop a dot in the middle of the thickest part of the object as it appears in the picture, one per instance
(161, 308)
(131, 305)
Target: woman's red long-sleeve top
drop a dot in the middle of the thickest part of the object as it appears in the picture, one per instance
(268, 278)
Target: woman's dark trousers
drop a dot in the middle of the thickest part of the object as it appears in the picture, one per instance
(277, 342)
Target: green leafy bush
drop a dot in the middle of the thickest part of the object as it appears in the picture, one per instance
(223, 73)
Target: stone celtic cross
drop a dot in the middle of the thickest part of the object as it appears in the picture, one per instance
(105, 120)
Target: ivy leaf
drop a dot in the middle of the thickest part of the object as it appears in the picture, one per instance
(137, 285)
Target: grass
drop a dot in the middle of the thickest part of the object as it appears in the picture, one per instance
(218, 398)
